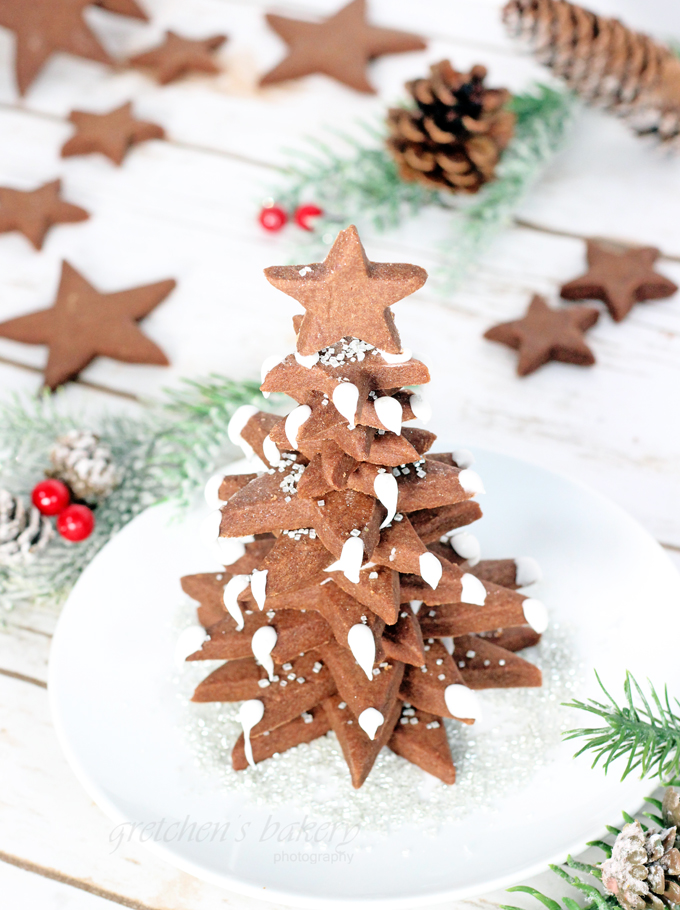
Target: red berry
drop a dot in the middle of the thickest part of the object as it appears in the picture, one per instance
(304, 213)
(76, 523)
(273, 218)
(50, 496)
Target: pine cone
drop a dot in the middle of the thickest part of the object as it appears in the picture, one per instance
(23, 533)
(455, 136)
(604, 62)
(643, 869)
(85, 465)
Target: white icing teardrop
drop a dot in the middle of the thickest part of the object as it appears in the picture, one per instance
(307, 360)
(262, 645)
(386, 489)
(535, 614)
(463, 458)
(346, 399)
(239, 419)
(258, 586)
(250, 713)
(416, 605)
(430, 569)
(351, 557)
(271, 452)
(462, 702)
(370, 720)
(396, 358)
(189, 641)
(466, 545)
(421, 407)
(448, 643)
(389, 412)
(232, 589)
(212, 488)
(229, 549)
(294, 421)
(362, 645)
(473, 591)
(527, 571)
(471, 482)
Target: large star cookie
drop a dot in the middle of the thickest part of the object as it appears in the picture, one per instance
(178, 56)
(84, 323)
(620, 279)
(340, 46)
(347, 295)
(34, 212)
(43, 27)
(545, 334)
(111, 134)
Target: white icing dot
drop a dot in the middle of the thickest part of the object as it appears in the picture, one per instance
(239, 419)
(473, 591)
(386, 489)
(262, 645)
(250, 713)
(463, 458)
(307, 360)
(421, 407)
(471, 482)
(430, 569)
(362, 645)
(258, 586)
(462, 702)
(396, 358)
(189, 641)
(232, 589)
(527, 571)
(297, 417)
(370, 720)
(535, 614)
(466, 545)
(305, 270)
(271, 452)
(389, 412)
(346, 399)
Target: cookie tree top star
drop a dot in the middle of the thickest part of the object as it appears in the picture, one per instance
(349, 570)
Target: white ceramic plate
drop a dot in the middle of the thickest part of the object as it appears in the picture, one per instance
(118, 716)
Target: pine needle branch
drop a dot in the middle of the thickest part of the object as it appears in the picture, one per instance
(644, 729)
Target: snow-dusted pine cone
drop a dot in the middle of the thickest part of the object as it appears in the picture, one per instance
(643, 869)
(85, 465)
(24, 532)
(453, 138)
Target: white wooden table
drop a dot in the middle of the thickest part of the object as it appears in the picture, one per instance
(186, 208)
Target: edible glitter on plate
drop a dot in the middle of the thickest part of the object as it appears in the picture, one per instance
(494, 757)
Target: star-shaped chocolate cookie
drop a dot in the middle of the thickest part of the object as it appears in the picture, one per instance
(346, 295)
(123, 8)
(545, 334)
(620, 279)
(340, 46)
(178, 56)
(43, 27)
(34, 212)
(111, 134)
(84, 323)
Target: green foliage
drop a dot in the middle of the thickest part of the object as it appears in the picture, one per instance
(645, 729)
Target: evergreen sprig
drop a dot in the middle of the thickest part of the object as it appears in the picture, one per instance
(646, 729)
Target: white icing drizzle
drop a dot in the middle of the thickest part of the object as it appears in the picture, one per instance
(189, 641)
(370, 720)
(463, 458)
(346, 399)
(239, 419)
(250, 713)
(389, 412)
(473, 591)
(212, 488)
(462, 702)
(294, 421)
(271, 452)
(448, 643)
(262, 646)
(396, 358)
(307, 360)
(258, 586)
(386, 488)
(422, 410)
(527, 571)
(535, 614)
(471, 482)
(466, 545)
(430, 569)
(232, 589)
(416, 605)
(351, 557)
(362, 645)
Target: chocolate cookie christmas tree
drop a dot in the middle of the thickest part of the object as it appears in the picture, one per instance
(356, 600)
